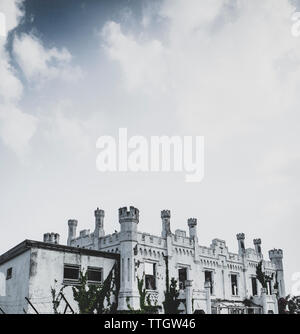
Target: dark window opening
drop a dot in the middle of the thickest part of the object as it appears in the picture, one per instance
(182, 273)
(254, 286)
(208, 278)
(94, 274)
(150, 276)
(9, 273)
(234, 285)
(269, 288)
(71, 272)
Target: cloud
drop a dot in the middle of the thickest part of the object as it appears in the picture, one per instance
(16, 129)
(225, 63)
(39, 63)
(142, 62)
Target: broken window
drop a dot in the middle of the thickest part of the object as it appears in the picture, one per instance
(234, 285)
(254, 286)
(94, 275)
(182, 273)
(150, 276)
(209, 278)
(9, 273)
(71, 272)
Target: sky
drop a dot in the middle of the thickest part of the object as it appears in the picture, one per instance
(72, 71)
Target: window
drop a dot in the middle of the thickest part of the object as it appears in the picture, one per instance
(208, 278)
(71, 272)
(9, 273)
(254, 286)
(269, 288)
(234, 285)
(150, 276)
(182, 273)
(94, 274)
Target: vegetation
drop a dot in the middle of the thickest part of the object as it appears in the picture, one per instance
(262, 277)
(92, 298)
(171, 302)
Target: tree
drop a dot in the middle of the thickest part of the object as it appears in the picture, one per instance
(92, 298)
(262, 277)
(171, 302)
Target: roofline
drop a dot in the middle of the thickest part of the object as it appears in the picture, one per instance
(29, 244)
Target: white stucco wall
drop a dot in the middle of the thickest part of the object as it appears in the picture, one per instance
(16, 288)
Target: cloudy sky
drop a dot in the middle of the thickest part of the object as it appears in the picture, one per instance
(71, 71)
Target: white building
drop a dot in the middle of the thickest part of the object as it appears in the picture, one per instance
(211, 279)
(31, 268)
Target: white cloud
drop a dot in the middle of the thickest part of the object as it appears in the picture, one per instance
(223, 62)
(39, 63)
(16, 129)
(143, 62)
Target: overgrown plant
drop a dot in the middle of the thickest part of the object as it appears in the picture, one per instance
(56, 297)
(93, 298)
(171, 302)
(146, 306)
(262, 277)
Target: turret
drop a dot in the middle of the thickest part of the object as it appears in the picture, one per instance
(72, 223)
(99, 223)
(51, 238)
(129, 295)
(129, 219)
(166, 225)
(192, 223)
(257, 245)
(276, 256)
(241, 241)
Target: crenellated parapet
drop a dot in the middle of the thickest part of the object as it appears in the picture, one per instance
(131, 215)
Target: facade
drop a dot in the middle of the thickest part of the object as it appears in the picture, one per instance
(32, 268)
(211, 279)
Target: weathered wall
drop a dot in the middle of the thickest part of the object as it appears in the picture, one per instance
(48, 266)
(16, 288)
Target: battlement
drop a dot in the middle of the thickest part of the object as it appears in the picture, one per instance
(257, 241)
(276, 253)
(166, 214)
(240, 236)
(51, 238)
(192, 222)
(99, 213)
(72, 222)
(131, 215)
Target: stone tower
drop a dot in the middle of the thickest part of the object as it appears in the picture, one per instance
(257, 245)
(99, 224)
(192, 223)
(129, 294)
(72, 223)
(276, 256)
(241, 241)
(166, 225)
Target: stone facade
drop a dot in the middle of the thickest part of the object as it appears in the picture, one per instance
(211, 279)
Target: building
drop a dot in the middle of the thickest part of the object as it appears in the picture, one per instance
(211, 279)
(32, 268)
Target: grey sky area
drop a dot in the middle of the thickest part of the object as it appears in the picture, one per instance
(72, 71)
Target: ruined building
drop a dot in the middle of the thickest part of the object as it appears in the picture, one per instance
(210, 279)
